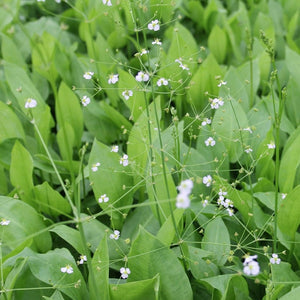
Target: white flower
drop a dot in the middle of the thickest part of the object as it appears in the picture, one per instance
(207, 180)
(103, 198)
(283, 196)
(156, 42)
(114, 148)
(144, 51)
(230, 212)
(222, 83)
(115, 235)
(206, 121)
(204, 202)
(107, 2)
(67, 269)
(216, 103)
(125, 272)
(252, 268)
(127, 94)
(183, 201)
(228, 203)
(58, 1)
(162, 81)
(248, 150)
(185, 186)
(95, 166)
(220, 200)
(82, 259)
(154, 25)
(4, 222)
(181, 65)
(249, 258)
(248, 129)
(85, 100)
(30, 103)
(113, 78)
(88, 75)
(141, 76)
(271, 145)
(222, 193)
(275, 259)
(40, 0)
(124, 160)
(210, 142)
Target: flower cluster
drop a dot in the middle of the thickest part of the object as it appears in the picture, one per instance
(185, 189)
(224, 202)
(206, 121)
(251, 266)
(141, 76)
(216, 103)
(124, 160)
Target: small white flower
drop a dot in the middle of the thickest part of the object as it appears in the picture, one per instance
(249, 258)
(248, 150)
(222, 83)
(127, 94)
(30, 103)
(228, 203)
(181, 65)
(275, 259)
(156, 42)
(144, 51)
(271, 145)
(58, 1)
(85, 100)
(210, 142)
(115, 235)
(125, 272)
(216, 103)
(252, 268)
(113, 78)
(107, 2)
(88, 75)
(162, 81)
(204, 202)
(4, 222)
(283, 196)
(67, 269)
(185, 186)
(103, 198)
(206, 121)
(41, 0)
(82, 259)
(183, 201)
(220, 201)
(248, 129)
(95, 166)
(141, 76)
(114, 148)
(124, 160)
(207, 180)
(230, 212)
(154, 25)
(222, 193)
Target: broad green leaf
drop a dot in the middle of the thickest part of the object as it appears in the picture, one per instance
(228, 122)
(10, 126)
(292, 295)
(47, 267)
(100, 266)
(71, 236)
(217, 43)
(149, 256)
(292, 106)
(68, 110)
(217, 240)
(5, 16)
(268, 199)
(289, 213)
(56, 296)
(112, 179)
(66, 140)
(25, 224)
(50, 201)
(21, 169)
(136, 102)
(163, 9)
(142, 289)
(290, 161)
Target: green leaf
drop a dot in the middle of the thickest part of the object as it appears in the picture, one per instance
(10, 126)
(163, 10)
(50, 201)
(56, 296)
(217, 240)
(25, 224)
(68, 110)
(112, 179)
(289, 213)
(71, 236)
(143, 289)
(292, 295)
(21, 169)
(65, 140)
(149, 256)
(217, 43)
